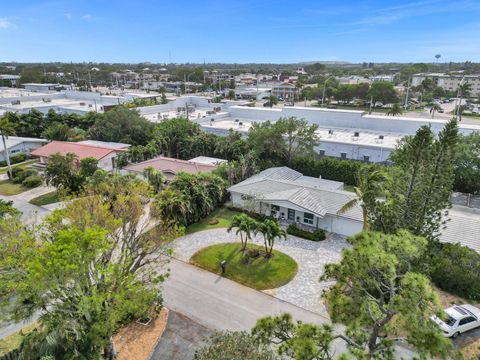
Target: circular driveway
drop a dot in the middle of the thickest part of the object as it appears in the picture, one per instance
(305, 290)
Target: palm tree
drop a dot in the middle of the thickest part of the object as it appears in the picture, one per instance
(155, 178)
(272, 100)
(245, 225)
(171, 205)
(396, 109)
(371, 185)
(270, 229)
(435, 107)
(463, 90)
(7, 129)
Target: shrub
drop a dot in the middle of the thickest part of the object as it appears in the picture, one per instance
(456, 269)
(22, 174)
(254, 215)
(32, 181)
(18, 157)
(317, 235)
(16, 171)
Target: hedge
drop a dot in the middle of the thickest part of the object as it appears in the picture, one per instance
(14, 159)
(32, 181)
(317, 235)
(456, 269)
(330, 168)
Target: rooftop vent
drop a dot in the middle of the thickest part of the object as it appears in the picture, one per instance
(381, 137)
(330, 132)
(236, 120)
(356, 134)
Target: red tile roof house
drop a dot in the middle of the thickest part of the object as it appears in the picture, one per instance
(168, 166)
(104, 154)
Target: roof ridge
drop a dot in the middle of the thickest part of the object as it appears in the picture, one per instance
(80, 144)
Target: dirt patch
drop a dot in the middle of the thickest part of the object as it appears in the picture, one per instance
(471, 351)
(136, 341)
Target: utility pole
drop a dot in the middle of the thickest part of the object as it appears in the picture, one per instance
(406, 96)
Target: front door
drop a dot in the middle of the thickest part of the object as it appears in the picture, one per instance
(291, 214)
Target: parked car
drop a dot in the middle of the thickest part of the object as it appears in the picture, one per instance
(458, 319)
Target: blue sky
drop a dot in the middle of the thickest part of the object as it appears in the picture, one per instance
(239, 31)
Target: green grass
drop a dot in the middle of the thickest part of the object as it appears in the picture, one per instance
(22, 165)
(222, 215)
(350, 188)
(45, 199)
(13, 341)
(259, 273)
(8, 188)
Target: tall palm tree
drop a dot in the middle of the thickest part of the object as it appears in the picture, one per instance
(7, 129)
(245, 225)
(463, 90)
(371, 185)
(271, 230)
(396, 109)
(435, 107)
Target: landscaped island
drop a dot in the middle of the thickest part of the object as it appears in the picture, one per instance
(250, 267)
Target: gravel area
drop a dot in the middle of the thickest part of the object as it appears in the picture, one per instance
(305, 289)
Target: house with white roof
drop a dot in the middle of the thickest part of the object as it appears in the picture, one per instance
(16, 144)
(291, 197)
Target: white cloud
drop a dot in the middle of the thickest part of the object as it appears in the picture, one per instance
(6, 24)
(87, 17)
(68, 16)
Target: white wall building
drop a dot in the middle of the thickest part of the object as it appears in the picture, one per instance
(289, 196)
(17, 145)
(449, 82)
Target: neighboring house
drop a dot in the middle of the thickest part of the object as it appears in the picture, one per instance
(17, 144)
(285, 91)
(168, 166)
(207, 160)
(287, 195)
(105, 155)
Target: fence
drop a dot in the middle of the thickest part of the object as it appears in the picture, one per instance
(468, 200)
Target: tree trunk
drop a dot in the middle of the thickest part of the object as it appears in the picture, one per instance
(7, 158)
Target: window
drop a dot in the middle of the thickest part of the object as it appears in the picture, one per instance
(343, 155)
(366, 158)
(274, 210)
(321, 152)
(467, 320)
(291, 214)
(308, 218)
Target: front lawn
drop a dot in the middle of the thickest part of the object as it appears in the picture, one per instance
(45, 199)
(220, 218)
(258, 273)
(8, 188)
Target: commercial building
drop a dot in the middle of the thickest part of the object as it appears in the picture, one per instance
(290, 197)
(449, 82)
(15, 145)
(42, 98)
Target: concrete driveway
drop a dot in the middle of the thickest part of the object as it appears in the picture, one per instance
(305, 289)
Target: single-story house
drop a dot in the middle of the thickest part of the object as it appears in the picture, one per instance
(17, 145)
(291, 197)
(104, 154)
(168, 166)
